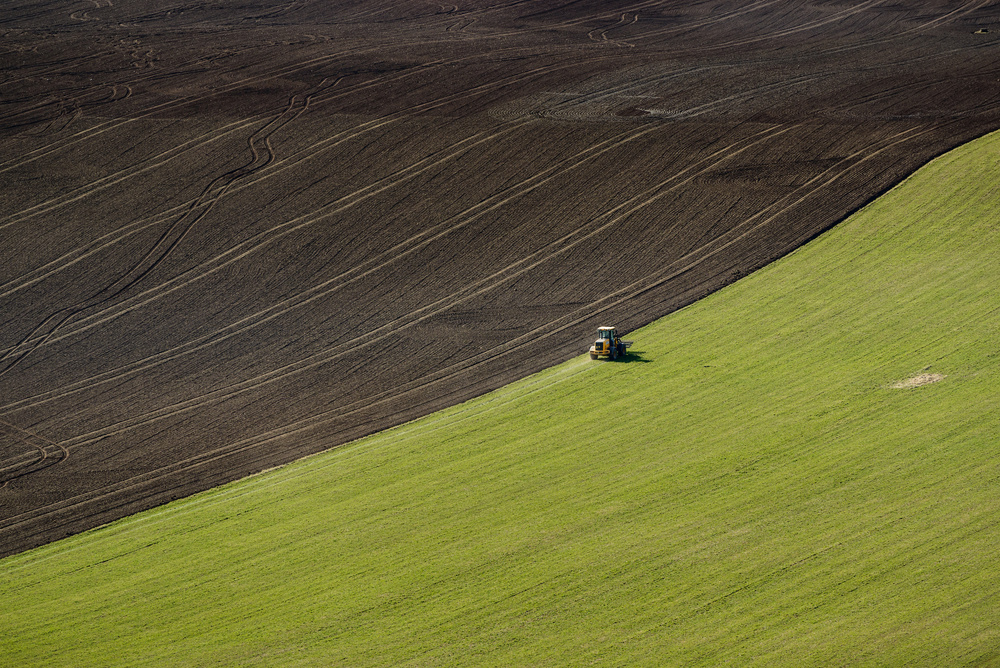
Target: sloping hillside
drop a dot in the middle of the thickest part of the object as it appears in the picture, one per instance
(235, 233)
(799, 470)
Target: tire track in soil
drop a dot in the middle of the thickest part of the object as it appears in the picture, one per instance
(58, 67)
(242, 83)
(172, 105)
(88, 190)
(162, 158)
(603, 33)
(210, 339)
(404, 248)
(896, 37)
(108, 92)
(700, 23)
(283, 306)
(61, 67)
(165, 245)
(809, 25)
(49, 453)
(966, 8)
(691, 259)
(600, 16)
(448, 302)
(420, 386)
(315, 293)
(747, 226)
(206, 138)
(79, 254)
(34, 339)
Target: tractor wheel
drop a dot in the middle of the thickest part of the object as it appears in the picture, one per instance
(593, 356)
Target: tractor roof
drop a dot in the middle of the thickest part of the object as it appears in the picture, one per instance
(604, 328)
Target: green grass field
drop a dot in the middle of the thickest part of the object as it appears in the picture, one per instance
(749, 489)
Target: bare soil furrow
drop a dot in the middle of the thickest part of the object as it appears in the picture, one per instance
(162, 159)
(370, 337)
(492, 282)
(242, 251)
(168, 241)
(274, 310)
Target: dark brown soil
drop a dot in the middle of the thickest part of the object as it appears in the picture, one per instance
(239, 232)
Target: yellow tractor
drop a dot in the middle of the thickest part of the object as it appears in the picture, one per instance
(608, 344)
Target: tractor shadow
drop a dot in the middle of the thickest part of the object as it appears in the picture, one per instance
(634, 357)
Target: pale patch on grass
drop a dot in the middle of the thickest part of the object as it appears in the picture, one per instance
(917, 381)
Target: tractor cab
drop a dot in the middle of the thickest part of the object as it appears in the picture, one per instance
(608, 345)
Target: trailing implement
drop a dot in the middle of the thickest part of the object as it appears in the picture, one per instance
(608, 344)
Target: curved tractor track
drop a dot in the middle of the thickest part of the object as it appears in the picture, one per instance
(233, 234)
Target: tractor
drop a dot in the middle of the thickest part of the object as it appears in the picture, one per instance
(608, 344)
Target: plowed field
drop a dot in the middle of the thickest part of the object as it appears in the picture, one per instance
(235, 233)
